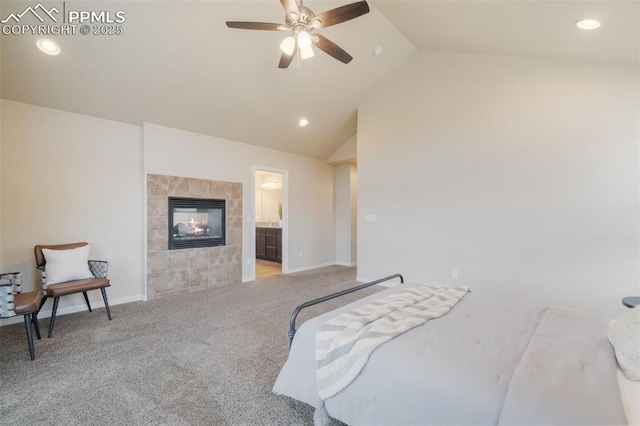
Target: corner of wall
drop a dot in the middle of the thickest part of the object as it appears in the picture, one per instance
(346, 154)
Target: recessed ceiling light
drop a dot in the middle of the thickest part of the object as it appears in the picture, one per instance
(303, 122)
(47, 46)
(378, 49)
(588, 24)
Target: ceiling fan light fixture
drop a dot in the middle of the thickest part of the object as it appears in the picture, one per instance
(301, 23)
(306, 53)
(304, 40)
(288, 45)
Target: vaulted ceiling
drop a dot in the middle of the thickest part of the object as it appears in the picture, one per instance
(177, 64)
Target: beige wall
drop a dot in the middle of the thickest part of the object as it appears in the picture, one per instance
(345, 214)
(310, 223)
(65, 178)
(69, 177)
(2, 268)
(521, 174)
(346, 154)
(353, 201)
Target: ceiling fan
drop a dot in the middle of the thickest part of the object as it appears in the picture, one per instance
(302, 23)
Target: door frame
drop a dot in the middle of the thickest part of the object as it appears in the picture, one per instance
(285, 214)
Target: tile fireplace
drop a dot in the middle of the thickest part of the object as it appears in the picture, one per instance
(172, 272)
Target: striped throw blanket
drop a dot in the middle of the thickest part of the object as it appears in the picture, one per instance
(344, 343)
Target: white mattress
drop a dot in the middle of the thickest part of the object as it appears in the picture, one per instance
(630, 392)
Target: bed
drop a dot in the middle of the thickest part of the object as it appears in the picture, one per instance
(487, 361)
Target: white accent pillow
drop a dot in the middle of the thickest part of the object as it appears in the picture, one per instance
(624, 335)
(66, 265)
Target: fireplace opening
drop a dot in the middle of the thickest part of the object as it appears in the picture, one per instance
(196, 222)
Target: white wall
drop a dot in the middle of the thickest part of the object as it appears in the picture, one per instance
(347, 153)
(520, 173)
(345, 195)
(66, 178)
(353, 199)
(311, 238)
(342, 197)
(1, 251)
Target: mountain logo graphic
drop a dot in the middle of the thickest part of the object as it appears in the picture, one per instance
(34, 11)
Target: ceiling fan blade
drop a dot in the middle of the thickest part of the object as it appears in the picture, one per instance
(285, 60)
(256, 26)
(332, 49)
(340, 14)
(290, 6)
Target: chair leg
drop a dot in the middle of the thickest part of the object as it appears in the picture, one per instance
(106, 303)
(27, 326)
(44, 299)
(36, 324)
(86, 299)
(53, 315)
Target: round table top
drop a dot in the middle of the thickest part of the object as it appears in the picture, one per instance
(631, 301)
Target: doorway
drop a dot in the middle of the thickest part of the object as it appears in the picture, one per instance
(270, 221)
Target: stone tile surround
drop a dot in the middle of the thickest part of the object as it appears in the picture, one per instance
(171, 272)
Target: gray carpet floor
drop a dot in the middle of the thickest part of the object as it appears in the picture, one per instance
(209, 357)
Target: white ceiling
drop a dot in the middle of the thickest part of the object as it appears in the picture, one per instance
(534, 28)
(177, 64)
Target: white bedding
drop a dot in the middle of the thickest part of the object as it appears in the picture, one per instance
(630, 393)
(511, 363)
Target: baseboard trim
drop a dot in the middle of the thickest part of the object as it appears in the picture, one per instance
(346, 264)
(73, 309)
(310, 267)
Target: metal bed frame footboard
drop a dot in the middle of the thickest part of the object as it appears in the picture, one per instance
(292, 321)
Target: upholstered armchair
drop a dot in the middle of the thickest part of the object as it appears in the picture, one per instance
(14, 302)
(65, 269)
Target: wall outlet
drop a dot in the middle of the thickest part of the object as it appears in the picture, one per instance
(454, 274)
(300, 253)
(249, 260)
(249, 219)
(370, 218)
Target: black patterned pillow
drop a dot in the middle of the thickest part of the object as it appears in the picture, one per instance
(99, 268)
